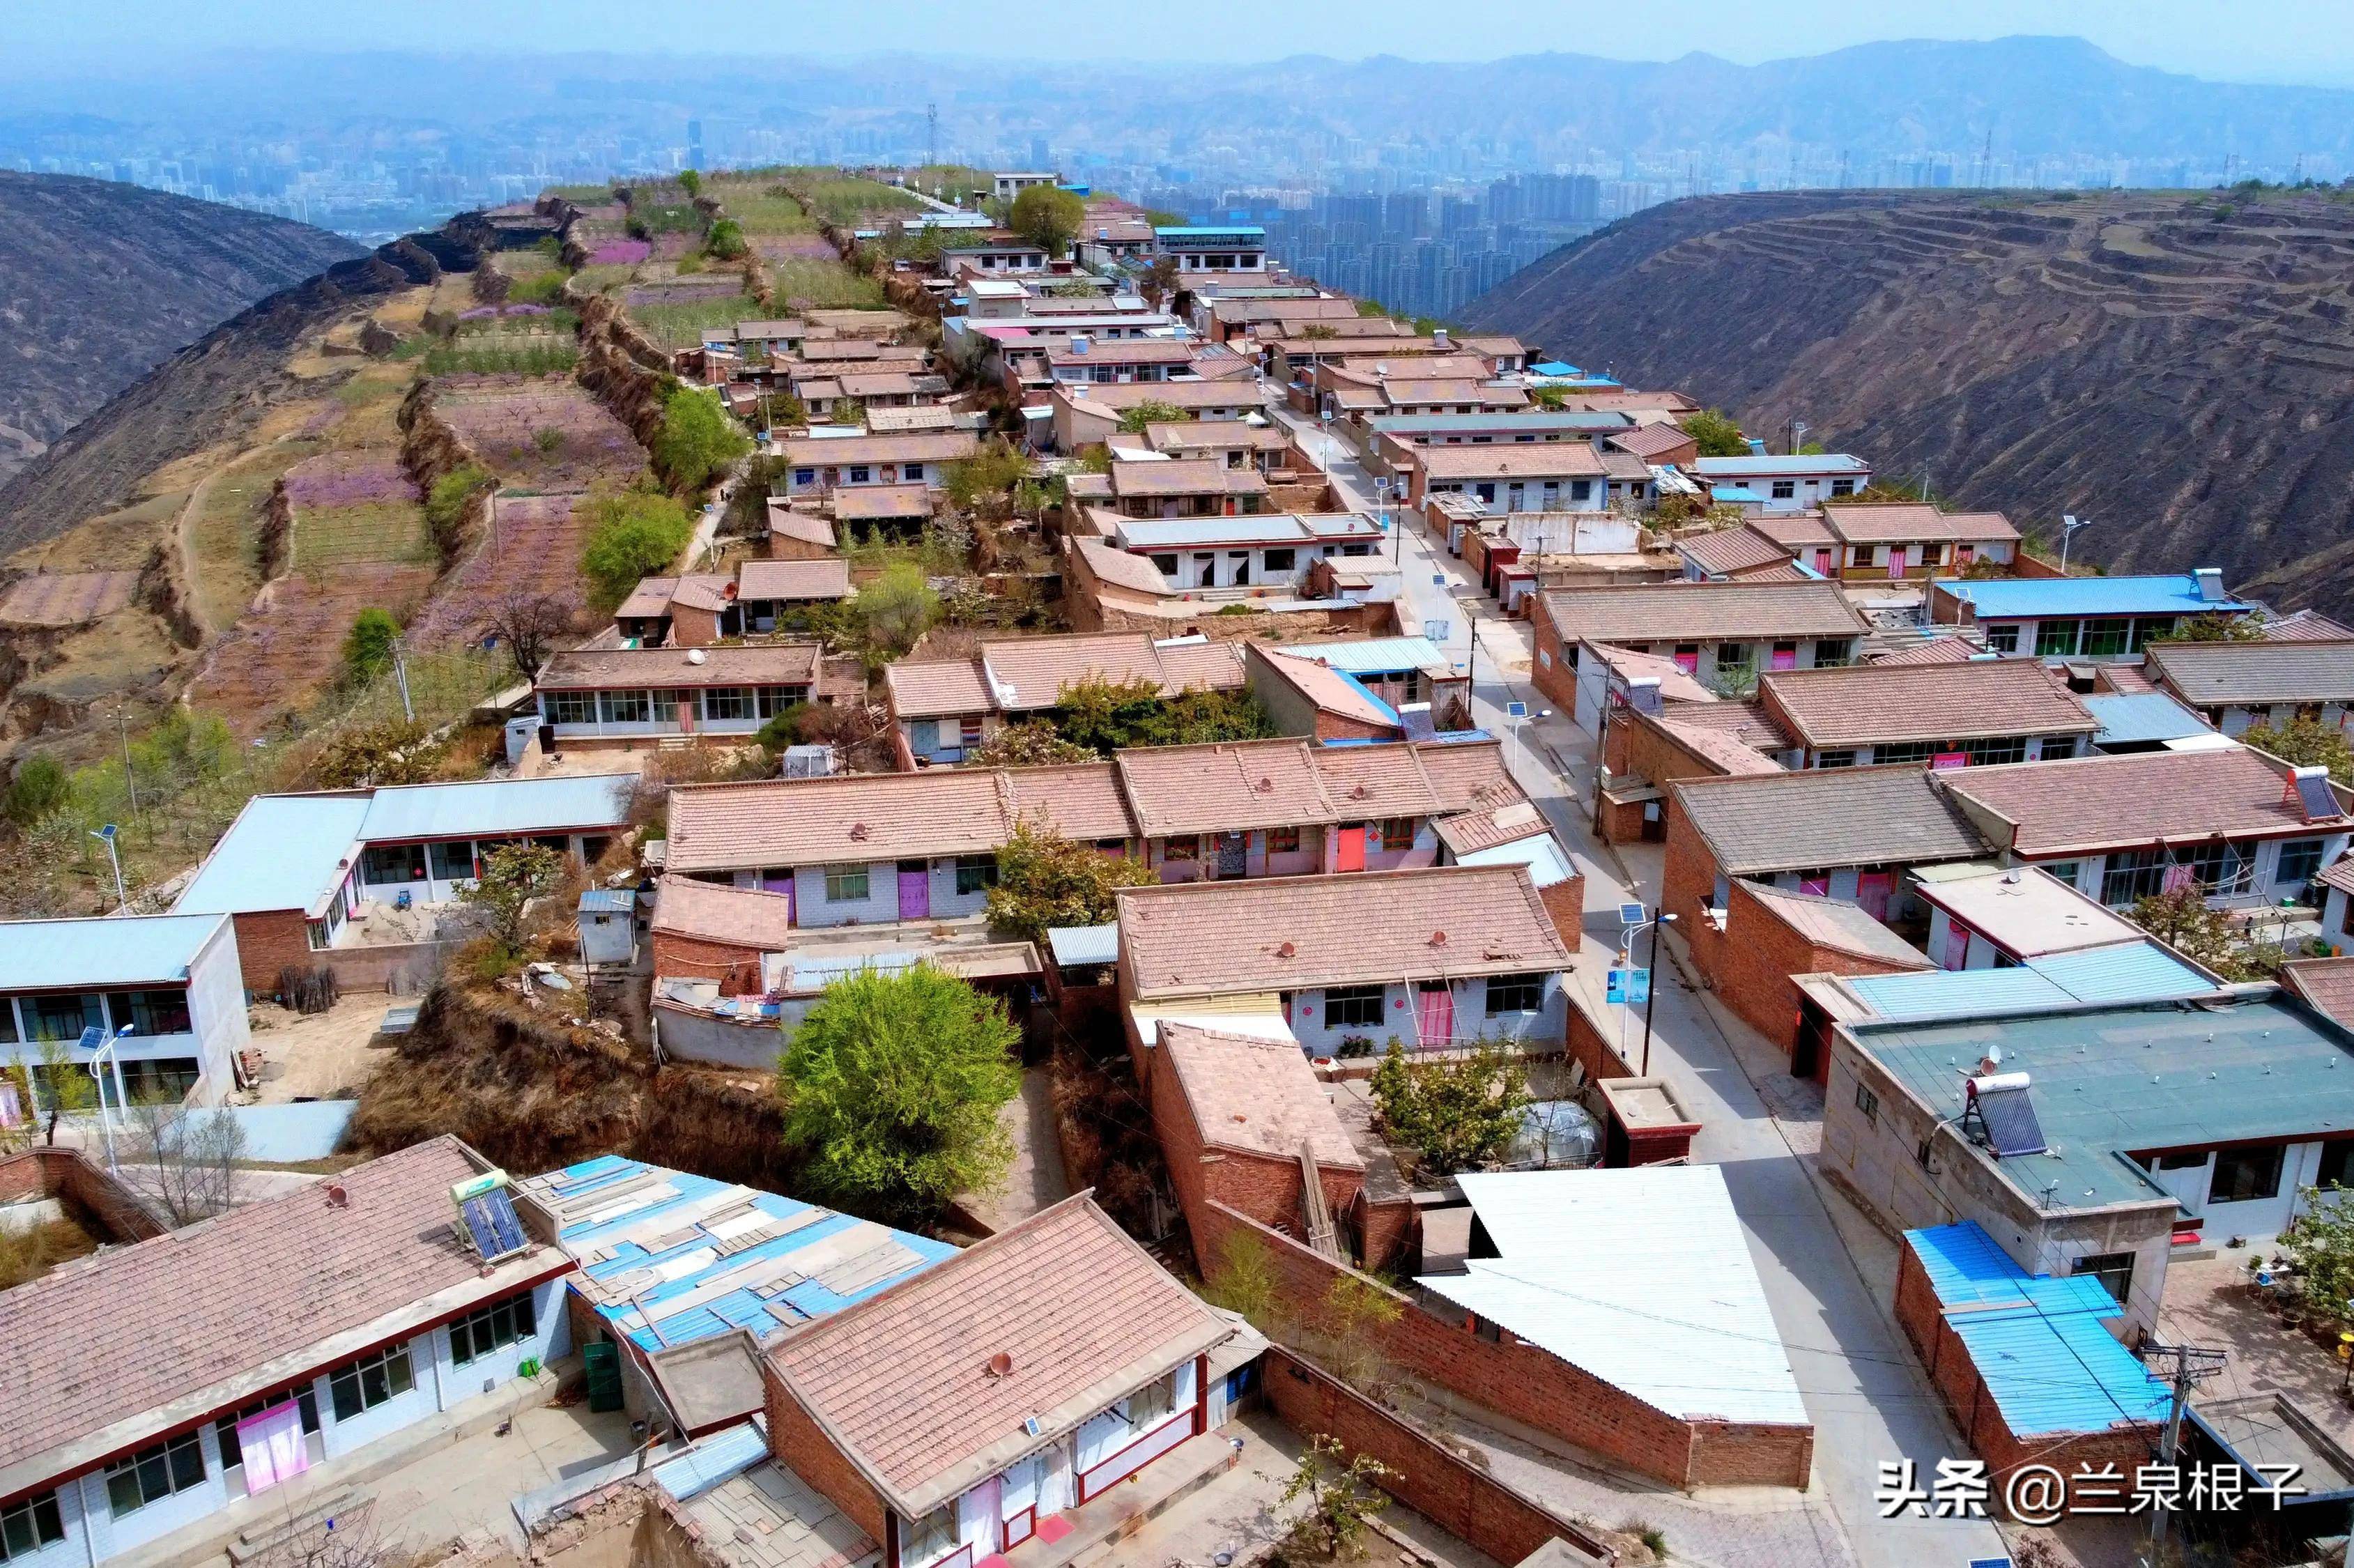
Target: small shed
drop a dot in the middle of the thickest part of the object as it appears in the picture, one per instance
(608, 921)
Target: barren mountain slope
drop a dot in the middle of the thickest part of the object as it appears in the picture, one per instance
(2177, 366)
(99, 282)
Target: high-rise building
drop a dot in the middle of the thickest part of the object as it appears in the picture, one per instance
(694, 143)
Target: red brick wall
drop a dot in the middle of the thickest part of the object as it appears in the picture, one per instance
(704, 959)
(1335, 726)
(690, 628)
(1635, 745)
(1592, 1041)
(1523, 1382)
(1565, 901)
(64, 1174)
(1424, 1476)
(1688, 881)
(802, 1446)
(1756, 958)
(267, 942)
(1557, 680)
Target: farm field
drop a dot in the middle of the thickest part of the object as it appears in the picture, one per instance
(355, 506)
(282, 655)
(542, 434)
(532, 547)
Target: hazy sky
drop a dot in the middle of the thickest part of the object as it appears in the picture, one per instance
(2250, 40)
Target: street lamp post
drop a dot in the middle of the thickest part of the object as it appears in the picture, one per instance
(107, 835)
(1651, 1000)
(101, 1060)
(2068, 526)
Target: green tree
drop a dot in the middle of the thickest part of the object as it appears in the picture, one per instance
(2319, 1244)
(1317, 331)
(2210, 626)
(445, 505)
(1159, 280)
(65, 1084)
(1049, 218)
(1033, 743)
(2305, 743)
(1150, 413)
(691, 182)
(1716, 433)
(2180, 918)
(726, 240)
(631, 534)
(1549, 397)
(1453, 1113)
(894, 610)
(369, 645)
(1044, 880)
(511, 876)
(697, 440)
(891, 1086)
(1342, 1491)
(41, 786)
(986, 479)
(1105, 717)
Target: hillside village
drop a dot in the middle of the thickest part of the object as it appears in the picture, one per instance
(821, 866)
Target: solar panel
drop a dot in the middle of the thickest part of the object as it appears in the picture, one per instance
(490, 1220)
(2314, 794)
(2007, 1118)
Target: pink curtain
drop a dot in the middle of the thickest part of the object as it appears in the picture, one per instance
(1872, 891)
(271, 1446)
(1957, 945)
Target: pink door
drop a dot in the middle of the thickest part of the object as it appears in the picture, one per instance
(1815, 886)
(780, 881)
(1957, 945)
(915, 890)
(1434, 1015)
(1823, 562)
(1689, 662)
(1896, 563)
(1872, 891)
(1350, 848)
(1785, 657)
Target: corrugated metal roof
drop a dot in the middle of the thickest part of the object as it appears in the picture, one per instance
(491, 808)
(2123, 971)
(1085, 944)
(712, 1461)
(1547, 861)
(39, 954)
(284, 852)
(608, 901)
(1779, 465)
(1372, 655)
(2011, 598)
(1967, 1268)
(2143, 717)
(2135, 971)
(1641, 1278)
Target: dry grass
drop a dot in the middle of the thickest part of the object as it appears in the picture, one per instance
(28, 1253)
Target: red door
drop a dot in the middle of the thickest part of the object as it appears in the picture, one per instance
(1349, 851)
(1872, 891)
(915, 890)
(1434, 1015)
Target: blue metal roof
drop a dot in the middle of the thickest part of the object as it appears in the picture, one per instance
(1372, 656)
(2129, 971)
(692, 1260)
(2037, 1342)
(2142, 716)
(714, 1459)
(1553, 367)
(2123, 971)
(1085, 944)
(124, 949)
(608, 901)
(2032, 598)
(1761, 464)
(496, 807)
(1211, 231)
(284, 852)
(1733, 492)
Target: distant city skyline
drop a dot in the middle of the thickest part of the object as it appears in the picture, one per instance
(2285, 41)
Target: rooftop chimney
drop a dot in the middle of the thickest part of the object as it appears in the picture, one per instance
(2211, 583)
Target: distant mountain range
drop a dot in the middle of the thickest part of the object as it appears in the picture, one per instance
(99, 282)
(2176, 369)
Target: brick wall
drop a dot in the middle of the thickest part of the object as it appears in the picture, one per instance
(267, 942)
(1755, 960)
(1424, 1476)
(1522, 1381)
(88, 1195)
(1594, 1042)
(799, 1446)
(736, 965)
(1688, 881)
(1564, 902)
(1549, 669)
(1633, 745)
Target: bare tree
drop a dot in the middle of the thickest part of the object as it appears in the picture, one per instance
(530, 625)
(190, 1157)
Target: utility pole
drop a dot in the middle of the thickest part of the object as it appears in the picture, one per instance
(932, 134)
(2192, 1364)
(130, 779)
(400, 676)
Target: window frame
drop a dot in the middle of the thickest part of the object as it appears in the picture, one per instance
(516, 1317)
(168, 1464)
(138, 1008)
(1283, 840)
(975, 873)
(2108, 1266)
(392, 1362)
(1516, 993)
(1354, 999)
(2256, 1167)
(306, 1399)
(2304, 847)
(840, 879)
(39, 1519)
(571, 707)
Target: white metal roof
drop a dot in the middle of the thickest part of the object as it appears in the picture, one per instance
(39, 954)
(1641, 1277)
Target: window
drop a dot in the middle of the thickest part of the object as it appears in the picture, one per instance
(1904, 751)
(2183, 1161)
(151, 1012)
(1283, 840)
(2246, 1175)
(726, 703)
(2105, 637)
(2058, 747)
(1352, 1006)
(1833, 652)
(2300, 859)
(845, 884)
(663, 704)
(1182, 846)
(2003, 638)
(166, 1079)
(1842, 487)
(29, 1524)
(153, 1474)
(770, 701)
(912, 471)
(2066, 871)
(930, 1536)
(1397, 833)
(1581, 490)
(454, 862)
(1785, 489)
(1839, 756)
(1280, 560)
(570, 707)
(393, 863)
(968, 732)
(232, 1454)
(62, 1015)
(976, 873)
(859, 473)
(360, 1386)
(1999, 749)
(1166, 564)
(500, 1324)
(8, 1035)
(1515, 993)
(2055, 639)
(2112, 1269)
(2152, 629)
(805, 476)
(1733, 656)
(1868, 1102)
(1151, 1403)
(622, 708)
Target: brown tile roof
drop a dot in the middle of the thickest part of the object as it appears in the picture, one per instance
(1226, 785)
(651, 597)
(840, 451)
(1468, 774)
(1903, 522)
(1827, 817)
(2096, 803)
(2305, 626)
(868, 502)
(1792, 530)
(1328, 689)
(1257, 1096)
(1455, 389)
(1651, 440)
(1734, 551)
(1469, 832)
(1868, 705)
(687, 907)
(1116, 396)
(2327, 983)
(787, 521)
(1539, 460)
(751, 665)
(2340, 874)
(1030, 673)
(1626, 465)
(1839, 925)
(936, 688)
(1291, 933)
(901, 1381)
(880, 383)
(1674, 684)
(851, 817)
(1080, 800)
(1678, 613)
(1122, 351)
(2255, 674)
(1117, 568)
(1184, 476)
(703, 591)
(236, 1304)
(912, 416)
(827, 578)
(1215, 435)
(1935, 651)
(1732, 752)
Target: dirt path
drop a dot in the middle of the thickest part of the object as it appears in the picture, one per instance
(183, 535)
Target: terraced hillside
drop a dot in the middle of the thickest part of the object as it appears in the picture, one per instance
(2177, 366)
